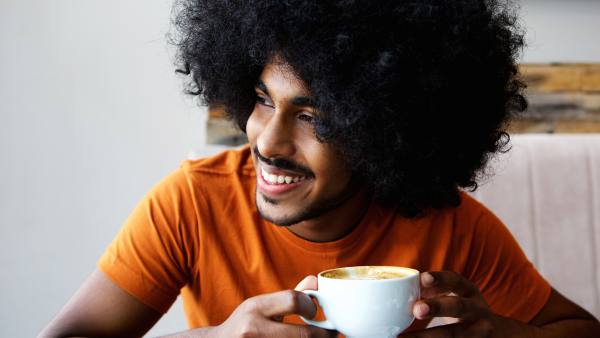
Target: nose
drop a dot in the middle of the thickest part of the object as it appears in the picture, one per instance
(276, 137)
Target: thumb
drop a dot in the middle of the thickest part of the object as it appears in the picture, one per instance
(308, 283)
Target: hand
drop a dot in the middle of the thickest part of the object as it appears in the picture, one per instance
(447, 294)
(262, 316)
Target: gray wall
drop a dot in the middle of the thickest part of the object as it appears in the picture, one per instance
(92, 116)
(561, 30)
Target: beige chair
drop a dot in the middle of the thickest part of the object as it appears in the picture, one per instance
(547, 191)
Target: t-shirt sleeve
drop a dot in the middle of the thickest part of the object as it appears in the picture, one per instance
(506, 278)
(149, 258)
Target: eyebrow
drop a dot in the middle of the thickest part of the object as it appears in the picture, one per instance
(297, 101)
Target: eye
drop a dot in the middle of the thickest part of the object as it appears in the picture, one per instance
(306, 117)
(263, 101)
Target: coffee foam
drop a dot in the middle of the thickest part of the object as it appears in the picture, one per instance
(368, 273)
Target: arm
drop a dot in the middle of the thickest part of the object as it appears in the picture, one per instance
(149, 253)
(101, 309)
(262, 316)
(561, 318)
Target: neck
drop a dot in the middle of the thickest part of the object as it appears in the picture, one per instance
(335, 223)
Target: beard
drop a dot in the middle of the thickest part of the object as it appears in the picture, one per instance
(312, 210)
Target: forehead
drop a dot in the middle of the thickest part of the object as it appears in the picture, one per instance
(281, 81)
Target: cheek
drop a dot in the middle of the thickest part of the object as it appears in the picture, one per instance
(328, 165)
(252, 128)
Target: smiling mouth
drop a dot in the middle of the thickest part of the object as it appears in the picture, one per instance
(273, 179)
(273, 182)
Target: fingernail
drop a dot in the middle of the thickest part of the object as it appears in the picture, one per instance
(309, 304)
(427, 279)
(421, 310)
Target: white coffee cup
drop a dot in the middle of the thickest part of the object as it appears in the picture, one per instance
(359, 302)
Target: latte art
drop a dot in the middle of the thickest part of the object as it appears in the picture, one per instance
(367, 273)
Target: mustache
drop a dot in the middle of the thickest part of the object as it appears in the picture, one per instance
(283, 164)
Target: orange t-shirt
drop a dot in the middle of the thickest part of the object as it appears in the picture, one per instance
(198, 232)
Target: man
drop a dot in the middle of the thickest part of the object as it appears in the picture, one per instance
(364, 118)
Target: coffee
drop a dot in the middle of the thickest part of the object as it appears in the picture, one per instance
(366, 301)
(367, 273)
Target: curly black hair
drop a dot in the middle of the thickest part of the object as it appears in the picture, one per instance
(416, 94)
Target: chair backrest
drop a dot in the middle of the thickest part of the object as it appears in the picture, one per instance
(546, 189)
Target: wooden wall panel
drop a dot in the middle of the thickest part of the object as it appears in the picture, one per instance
(562, 77)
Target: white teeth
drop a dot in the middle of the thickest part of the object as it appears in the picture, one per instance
(279, 179)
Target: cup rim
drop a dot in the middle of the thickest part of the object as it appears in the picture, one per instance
(413, 273)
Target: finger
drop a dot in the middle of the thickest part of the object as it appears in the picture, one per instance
(293, 330)
(284, 303)
(434, 283)
(449, 306)
(308, 283)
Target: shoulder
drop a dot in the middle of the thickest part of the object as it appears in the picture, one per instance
(469, 220)
(181, 187)
(212, 178)
(468, 212)
(463, 218)
(476, 222)
(465, 215)
(234, 161)
(472, 211)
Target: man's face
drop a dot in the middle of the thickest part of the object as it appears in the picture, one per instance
(298, 177)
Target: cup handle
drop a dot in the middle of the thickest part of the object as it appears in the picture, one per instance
(324, 324)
